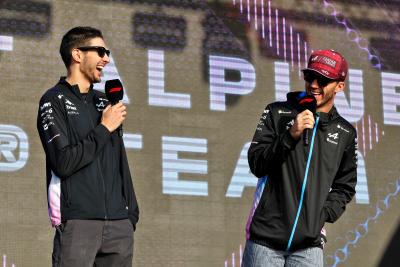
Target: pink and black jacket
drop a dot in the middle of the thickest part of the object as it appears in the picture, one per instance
(87, 170)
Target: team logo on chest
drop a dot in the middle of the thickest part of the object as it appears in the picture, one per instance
(70, 107)
(333, 138)
(289, 124)
(101, 104)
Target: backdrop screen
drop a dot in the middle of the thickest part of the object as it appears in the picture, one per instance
(197, 75)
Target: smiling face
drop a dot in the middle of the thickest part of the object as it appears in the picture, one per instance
(92, 64)
(323, 89)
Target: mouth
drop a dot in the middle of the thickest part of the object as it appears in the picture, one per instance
(314, 92)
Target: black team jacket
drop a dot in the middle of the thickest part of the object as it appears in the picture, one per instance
(293, 201)
(87, 170)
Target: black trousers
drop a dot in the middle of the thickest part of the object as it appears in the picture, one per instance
(88, 243)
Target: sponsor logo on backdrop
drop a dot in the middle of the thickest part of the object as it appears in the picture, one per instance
(14, 148)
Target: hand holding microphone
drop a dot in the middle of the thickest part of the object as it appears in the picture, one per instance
(304, 122)
(114, 114)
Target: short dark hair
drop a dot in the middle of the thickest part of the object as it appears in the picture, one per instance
(75, 37)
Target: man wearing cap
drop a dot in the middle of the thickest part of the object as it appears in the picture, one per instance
(302, 183)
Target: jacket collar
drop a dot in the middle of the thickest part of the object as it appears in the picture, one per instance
(331, 115)
(325, 118)
(75, 89)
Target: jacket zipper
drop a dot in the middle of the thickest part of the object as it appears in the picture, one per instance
(98, 167)
(303, 188)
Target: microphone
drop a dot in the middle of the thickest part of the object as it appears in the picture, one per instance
(114, 92)
(308, 102)
(302, 101)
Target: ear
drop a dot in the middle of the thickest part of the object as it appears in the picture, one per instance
(339, 87)
(76, 55)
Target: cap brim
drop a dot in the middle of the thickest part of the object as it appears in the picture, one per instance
(314, 70)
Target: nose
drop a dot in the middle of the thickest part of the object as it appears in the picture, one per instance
(315, 84)
(106, 59)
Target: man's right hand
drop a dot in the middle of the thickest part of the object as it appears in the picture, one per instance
(113, 116)
(303, 120)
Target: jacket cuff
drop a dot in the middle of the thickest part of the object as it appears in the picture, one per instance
(102, 134)
(103, 129)
(133, 221)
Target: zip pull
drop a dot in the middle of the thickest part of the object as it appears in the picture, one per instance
(316, 123)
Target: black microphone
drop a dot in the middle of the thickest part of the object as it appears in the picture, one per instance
(301, 101)
(115, 92)
(308, 102)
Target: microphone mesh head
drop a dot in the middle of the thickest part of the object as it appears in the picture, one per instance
(114, 91)
(309, 102)
(301, 101)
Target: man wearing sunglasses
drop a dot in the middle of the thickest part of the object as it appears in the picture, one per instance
(301, 186)
(91, 200)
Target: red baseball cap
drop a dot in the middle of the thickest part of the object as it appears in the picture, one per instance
(328, 63)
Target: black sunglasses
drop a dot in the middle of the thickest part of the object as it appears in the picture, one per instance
(101, 51)
(321, 80)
